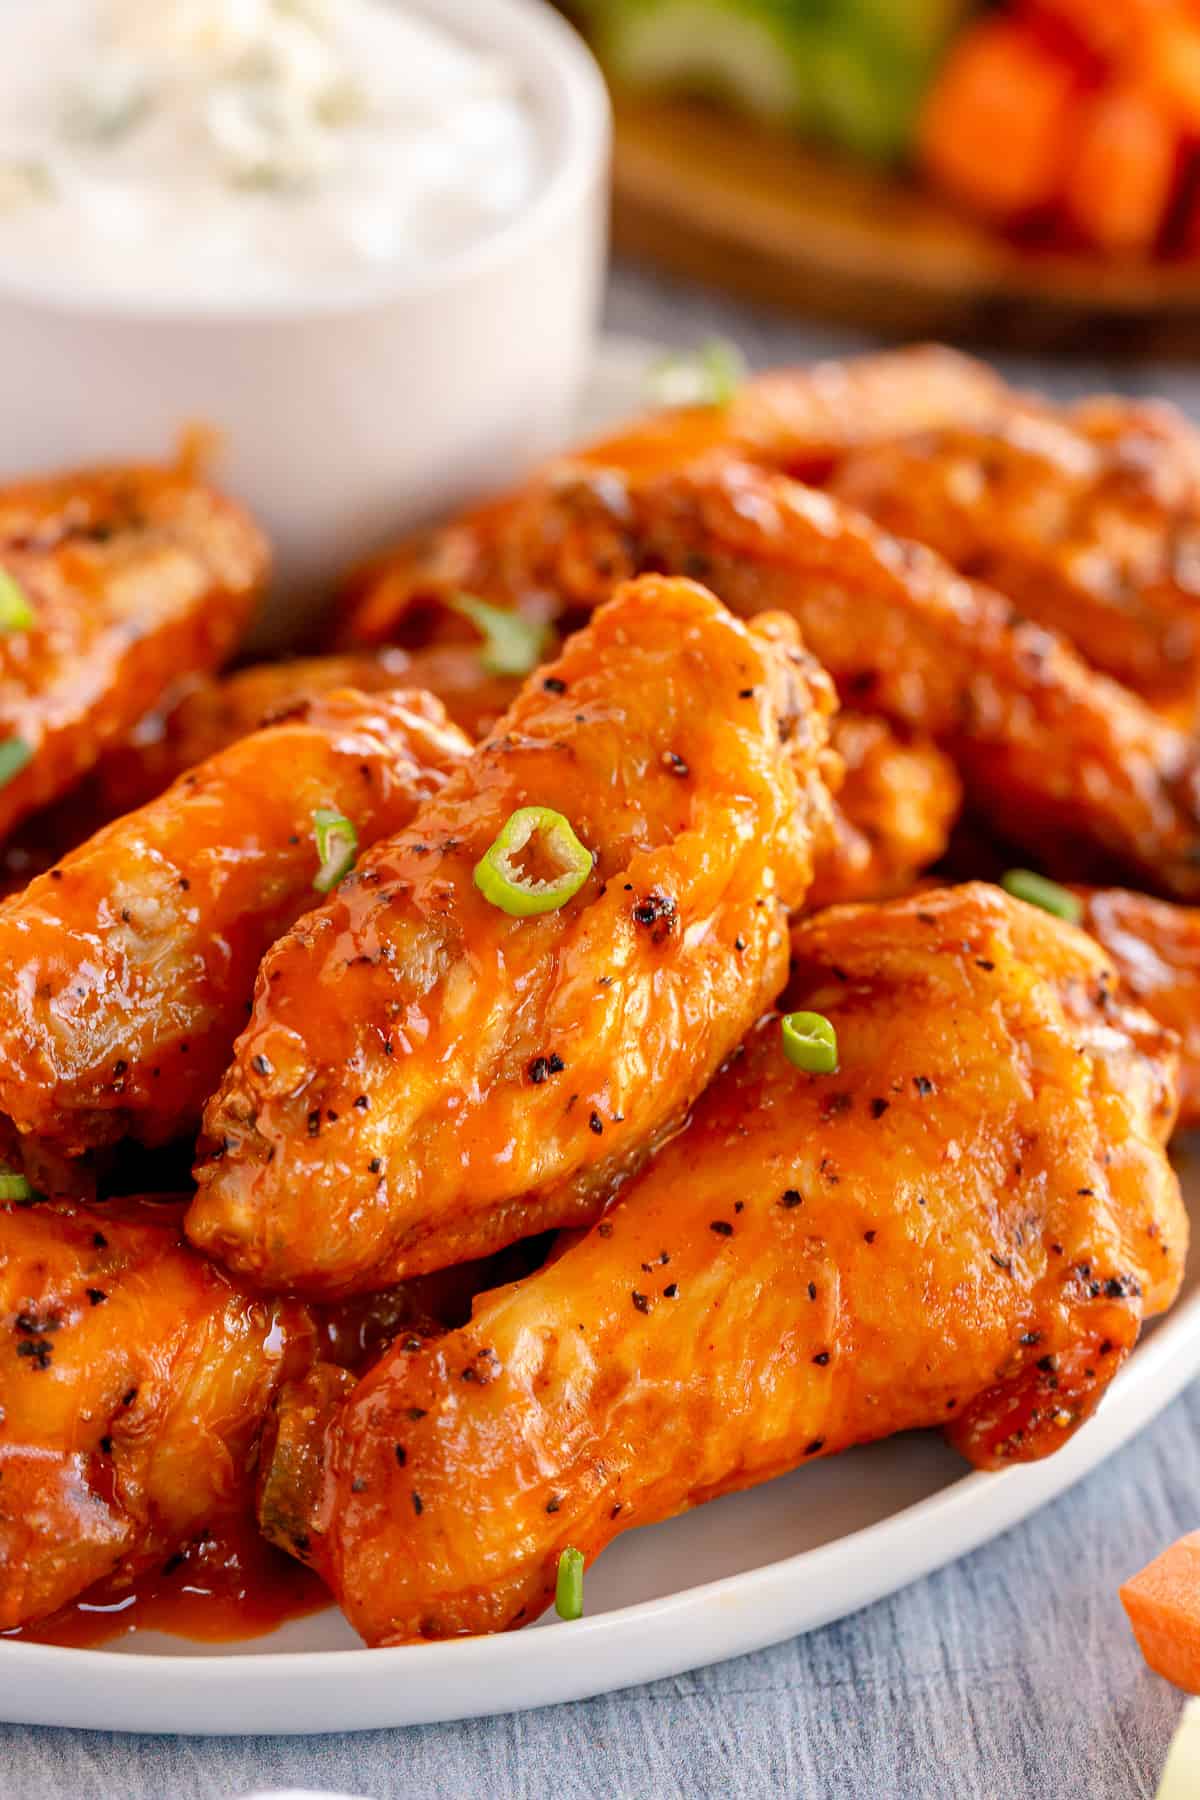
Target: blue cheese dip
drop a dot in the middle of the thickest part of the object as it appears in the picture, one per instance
(192, 149)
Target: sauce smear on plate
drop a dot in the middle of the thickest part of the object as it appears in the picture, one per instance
(230, 1585)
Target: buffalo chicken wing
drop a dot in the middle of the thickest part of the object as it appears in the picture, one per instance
(134, 1376)
(118, 583)
(1101, 546)
(426, 1076)
(128, 967)
(963, 1226)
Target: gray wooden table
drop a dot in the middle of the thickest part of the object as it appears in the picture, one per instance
(1009, 1676)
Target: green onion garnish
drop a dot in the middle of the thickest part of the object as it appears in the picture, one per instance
(522, 894)
(1023, 884)
(810, 1042)
(512, 644)
(15, 753)
(568, 1589)
(16, 614)
(337, 847)
(709, 376)
(14, 1186)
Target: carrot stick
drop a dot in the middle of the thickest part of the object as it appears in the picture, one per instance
(998, 122)
(1163, 1604)
(1123, 171)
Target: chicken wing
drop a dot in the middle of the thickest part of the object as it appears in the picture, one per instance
(963, 1226)
(893, 812)
(426, 1077)
(124, 579)
(1098, 544)
(134, 1377)
(799, 420)
(1053, 755)
(128, 967)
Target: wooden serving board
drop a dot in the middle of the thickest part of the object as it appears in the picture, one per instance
(708, 196)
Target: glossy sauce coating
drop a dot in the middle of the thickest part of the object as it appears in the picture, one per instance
(964, 1225)
(134, 1376)
(1100, 542)
(227, 1585)
(134, 576)
(426, 1078)
(1056, 757)
(128, 967)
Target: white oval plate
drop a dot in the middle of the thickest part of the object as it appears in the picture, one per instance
(731, 1577)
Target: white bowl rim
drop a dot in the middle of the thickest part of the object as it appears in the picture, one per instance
(556, 63)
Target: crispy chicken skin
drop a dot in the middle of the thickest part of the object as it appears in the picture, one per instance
(128, 968)
(800, 420)
(1095, 541)
(134, 1376)
(425, 1078)
(1056, 757)
(1156, 947)
(133, 576)
(965, 1225)
(893, 812)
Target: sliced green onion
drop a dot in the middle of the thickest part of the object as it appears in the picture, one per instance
(504, 884)
(15, 753)
(16, 614)
(1023, 884)
(568, 1589)
(337, 847)
(709, 376)
(810, 1042)
(512, 644)
(14, 1186)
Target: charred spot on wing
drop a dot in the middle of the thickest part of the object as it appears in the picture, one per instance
(656, 913)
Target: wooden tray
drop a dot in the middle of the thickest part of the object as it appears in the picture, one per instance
(708, 196)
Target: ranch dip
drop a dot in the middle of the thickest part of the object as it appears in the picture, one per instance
(197, 148)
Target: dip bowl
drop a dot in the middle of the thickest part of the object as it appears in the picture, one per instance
(344, 414)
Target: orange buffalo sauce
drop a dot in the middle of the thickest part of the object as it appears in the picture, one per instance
(232, 1584)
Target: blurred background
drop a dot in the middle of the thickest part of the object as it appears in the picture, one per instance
(1018, 174)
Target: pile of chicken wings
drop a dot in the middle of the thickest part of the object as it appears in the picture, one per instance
(403, 1139)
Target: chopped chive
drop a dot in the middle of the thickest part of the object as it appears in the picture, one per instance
(568, 1589)
(512, 644)
(709, 376)
(14, 1186)
(1023, 884)
(810, 1042)
(337, 847)
(515, 891)
(15, 753)
(16, 614)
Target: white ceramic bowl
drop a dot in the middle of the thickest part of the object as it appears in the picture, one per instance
(345, 415)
